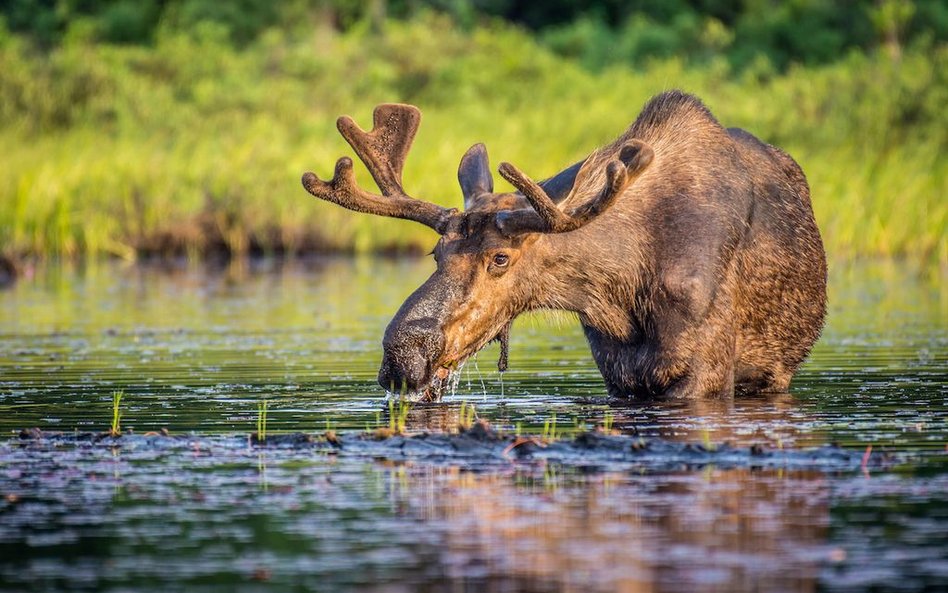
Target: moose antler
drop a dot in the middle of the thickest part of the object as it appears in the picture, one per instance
(383, 150)
(546, 217)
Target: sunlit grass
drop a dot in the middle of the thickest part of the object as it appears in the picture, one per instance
(466, 416)
(706, 440)
(262, 421)
(190, 146)
(608, 421)
(116, 428)
(398, 415)
(549, 429)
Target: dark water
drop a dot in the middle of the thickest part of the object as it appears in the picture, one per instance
(195, 350)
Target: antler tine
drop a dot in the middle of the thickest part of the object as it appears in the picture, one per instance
(541, 202)
(383, 150)
(548, 218)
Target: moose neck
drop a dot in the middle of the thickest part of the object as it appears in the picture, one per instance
(580, 272)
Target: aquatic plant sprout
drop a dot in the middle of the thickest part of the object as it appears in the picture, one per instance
(607, 421)
(549, 428)
(116, 413)
(262, 420)
(466, 416)
(398, 417)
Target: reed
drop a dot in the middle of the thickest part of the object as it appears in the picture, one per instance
(608, 420)
(116, 428)
(549, 429)
(262, 421)
(398, 415)
(466, 416)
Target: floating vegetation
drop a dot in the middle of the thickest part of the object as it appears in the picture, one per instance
(483, 445)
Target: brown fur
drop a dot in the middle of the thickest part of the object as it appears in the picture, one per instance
(706, 275)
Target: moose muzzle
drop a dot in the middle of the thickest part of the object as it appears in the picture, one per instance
(410, 351)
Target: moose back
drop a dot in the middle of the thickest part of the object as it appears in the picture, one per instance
(689, 252)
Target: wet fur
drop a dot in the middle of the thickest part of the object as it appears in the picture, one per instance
(706, 276)
(715, 275)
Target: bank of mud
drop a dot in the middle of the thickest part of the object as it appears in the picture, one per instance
(482, 446)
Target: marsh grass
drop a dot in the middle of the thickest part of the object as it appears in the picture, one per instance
(190, 147)
(398, 415)
(116, 428)
(706, 440)
(607, 426)
(466, 416)
(549, 429)
(261, 421)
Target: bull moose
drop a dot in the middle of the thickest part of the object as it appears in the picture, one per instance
(688, 251)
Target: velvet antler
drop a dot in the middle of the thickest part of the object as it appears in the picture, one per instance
(546, 217)
(383, 150)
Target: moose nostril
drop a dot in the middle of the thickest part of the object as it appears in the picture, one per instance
(402, 373)
(388, 379)
(409, 350)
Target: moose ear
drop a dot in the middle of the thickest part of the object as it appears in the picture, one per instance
(560, 185)
(474, 174)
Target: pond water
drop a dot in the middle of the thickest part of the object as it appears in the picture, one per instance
(196, 349)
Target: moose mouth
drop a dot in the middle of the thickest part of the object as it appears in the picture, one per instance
(447, 374)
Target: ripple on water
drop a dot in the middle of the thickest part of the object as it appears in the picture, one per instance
(196, 351)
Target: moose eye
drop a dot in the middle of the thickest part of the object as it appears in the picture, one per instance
(501, 259)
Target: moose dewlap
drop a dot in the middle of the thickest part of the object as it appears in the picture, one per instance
(689, 252)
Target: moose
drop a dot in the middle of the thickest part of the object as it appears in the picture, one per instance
(689, 252)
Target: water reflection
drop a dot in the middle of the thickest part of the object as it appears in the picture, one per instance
(717, 530)
(778, 419)
(143, 514)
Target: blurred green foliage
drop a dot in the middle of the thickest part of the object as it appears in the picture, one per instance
(599, 32)
(191, 134)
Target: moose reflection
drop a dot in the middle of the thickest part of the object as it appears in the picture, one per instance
(556, 529)
(689, 252)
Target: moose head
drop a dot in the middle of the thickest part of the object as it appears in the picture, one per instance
(496, 259)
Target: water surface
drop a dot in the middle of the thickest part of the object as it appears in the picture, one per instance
(195, 349)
